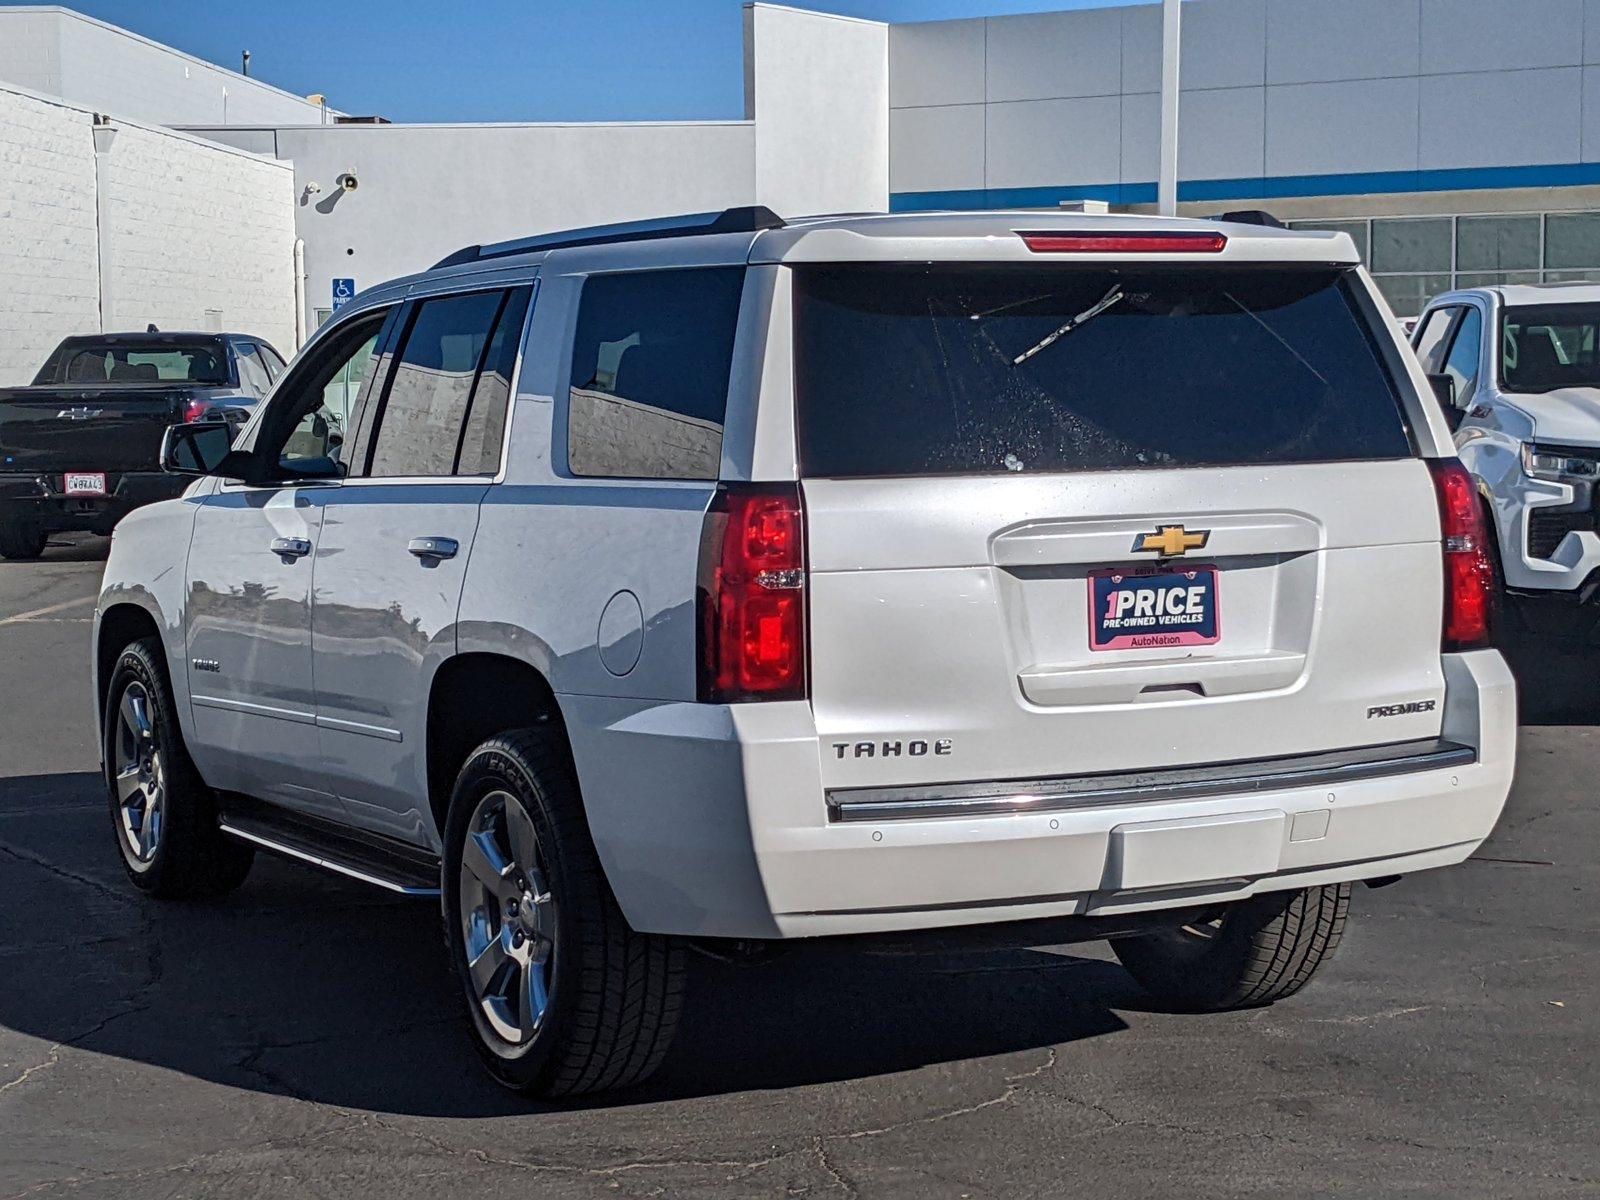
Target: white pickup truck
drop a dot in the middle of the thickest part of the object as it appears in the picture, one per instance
(1518, 372)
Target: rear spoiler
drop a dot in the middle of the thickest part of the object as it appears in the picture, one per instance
(1249, 216)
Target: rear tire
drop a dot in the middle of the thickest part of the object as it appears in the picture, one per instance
(564, 997)
(1258, 951)
(163, 815)
(21, 541)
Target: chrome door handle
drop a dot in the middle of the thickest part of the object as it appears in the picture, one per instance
(433, 547)
(291, 547)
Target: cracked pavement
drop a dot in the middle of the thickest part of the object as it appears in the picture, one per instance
(302, 1038)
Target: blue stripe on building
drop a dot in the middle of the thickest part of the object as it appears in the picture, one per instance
(1359, 184)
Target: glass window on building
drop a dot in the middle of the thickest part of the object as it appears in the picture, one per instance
(1497, 244)
(1413, 259)
(1412, 245)
(1409, 294)
(1572, 240)
(1479, 279)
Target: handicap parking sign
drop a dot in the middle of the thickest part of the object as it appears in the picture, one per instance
(344, 291)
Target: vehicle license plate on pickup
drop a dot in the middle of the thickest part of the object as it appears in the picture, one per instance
(84, 483)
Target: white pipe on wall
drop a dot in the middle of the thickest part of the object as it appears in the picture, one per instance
(299, 293)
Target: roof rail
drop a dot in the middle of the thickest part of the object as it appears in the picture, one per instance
(750, 219)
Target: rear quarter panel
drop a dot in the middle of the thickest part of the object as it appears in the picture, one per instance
(593, 581)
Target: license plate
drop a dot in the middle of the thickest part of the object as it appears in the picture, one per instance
(84, 483)
(1140, 608)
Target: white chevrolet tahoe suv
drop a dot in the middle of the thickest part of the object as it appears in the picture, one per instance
(1517, 371)
(725, 581)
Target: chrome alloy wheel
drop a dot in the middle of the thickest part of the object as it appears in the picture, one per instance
(508, 918)
(140, 775)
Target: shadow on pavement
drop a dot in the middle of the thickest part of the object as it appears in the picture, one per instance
(1553, 646)
(304, 985)
(67, 548)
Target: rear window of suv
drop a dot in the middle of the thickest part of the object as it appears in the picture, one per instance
(973, 370)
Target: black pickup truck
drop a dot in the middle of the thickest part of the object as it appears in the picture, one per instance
(81, 447)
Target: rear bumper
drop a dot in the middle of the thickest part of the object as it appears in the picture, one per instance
(37, 499)
(713, 821)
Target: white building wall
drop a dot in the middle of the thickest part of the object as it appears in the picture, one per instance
(49, 275)
(164, 227)
(817, 141)
(200, 236)
(30, 49)
(424, 191)
(1020, 107)
(108, 69)
(817, 88)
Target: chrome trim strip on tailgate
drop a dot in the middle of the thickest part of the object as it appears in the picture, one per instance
(1145, 787)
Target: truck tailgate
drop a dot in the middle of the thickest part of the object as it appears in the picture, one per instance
(55, 429)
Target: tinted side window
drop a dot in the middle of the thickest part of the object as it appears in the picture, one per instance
(273, 360)
(252, 372)
(419, 426)
(1430, 338)
(650, 366)
(1462, 365)
(485, 426)
(309, 417)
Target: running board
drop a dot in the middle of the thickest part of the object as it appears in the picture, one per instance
(370, 858)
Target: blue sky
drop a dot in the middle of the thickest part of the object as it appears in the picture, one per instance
(500, 60)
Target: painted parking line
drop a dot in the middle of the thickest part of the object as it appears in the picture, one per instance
(47, 610)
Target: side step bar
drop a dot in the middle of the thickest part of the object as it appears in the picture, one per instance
(382, 862)
(1144, 787)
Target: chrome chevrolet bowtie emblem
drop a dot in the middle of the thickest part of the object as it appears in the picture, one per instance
(81, 413)
(1170, 541)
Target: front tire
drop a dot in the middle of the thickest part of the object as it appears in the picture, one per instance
(1258, 951)
(21, 541)
(563, 996)
(163, 814)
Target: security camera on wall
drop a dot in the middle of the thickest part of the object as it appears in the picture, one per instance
(349, 182)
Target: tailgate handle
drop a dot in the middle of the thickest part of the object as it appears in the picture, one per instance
(1184, 689)
(286, 547)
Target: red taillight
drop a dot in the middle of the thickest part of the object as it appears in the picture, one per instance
(1468, 571)
(1125, 243)
(194, 410)
(752, 595)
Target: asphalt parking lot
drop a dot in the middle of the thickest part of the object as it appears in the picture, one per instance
(301, 1038)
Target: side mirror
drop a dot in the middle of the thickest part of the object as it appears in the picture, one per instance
(201, 448)
(1444, 391)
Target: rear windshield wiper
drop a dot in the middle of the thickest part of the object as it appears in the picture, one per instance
(1112, 296)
